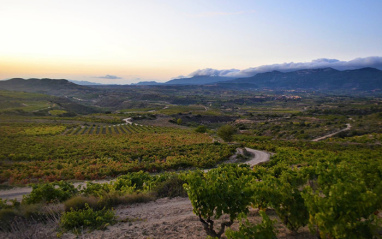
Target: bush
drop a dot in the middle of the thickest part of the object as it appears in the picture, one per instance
(137, 198)
(132, 182)
(50, 192)
(7, 216)
(345, 202)
(282, 194)
(248, 231)
(201, 129)
(96, 189)
(224, 190)
(79, 202)
(226, 132)
(87, 218)
(172, 187)
(5, 205)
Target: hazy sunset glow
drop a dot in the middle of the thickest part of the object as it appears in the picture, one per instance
(159, 40)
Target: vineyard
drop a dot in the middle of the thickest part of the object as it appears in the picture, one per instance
(326, 189)
(112, 129)
(34, 152)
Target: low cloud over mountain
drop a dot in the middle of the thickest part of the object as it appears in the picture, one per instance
(374, 61)
(109, 77)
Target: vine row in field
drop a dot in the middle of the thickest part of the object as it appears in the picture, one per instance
(111, 129)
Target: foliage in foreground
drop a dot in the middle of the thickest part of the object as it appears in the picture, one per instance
(77, 220)
(339, 197)
(346, 203)
(50, 192)
(279, 189)
(224, 190)
(259, 231)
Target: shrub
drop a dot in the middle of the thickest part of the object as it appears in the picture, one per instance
(110, 200)
(79, 202)
(259, 231)
(225, 190)
(226, 132)
(172, 187)
(282, 194)
(50, 192)
(7, 216)
(137, 198)
(4, 203)
(201, 129)
(96, 189)
(87, 218)
(12, 218)
(132, 181)
(344, 205)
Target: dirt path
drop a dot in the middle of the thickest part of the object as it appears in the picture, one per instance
(258, 157)
(348, 127)
(18, 192)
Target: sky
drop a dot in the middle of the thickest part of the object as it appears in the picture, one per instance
(123, 41)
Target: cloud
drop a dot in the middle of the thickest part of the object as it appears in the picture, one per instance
(214, 14)
(109, 77)
(373, 61)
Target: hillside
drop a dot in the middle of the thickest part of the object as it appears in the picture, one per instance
(46, 86)
(22, 103)
(326, 79)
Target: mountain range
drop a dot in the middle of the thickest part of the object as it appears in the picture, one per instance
(198, 80)
(323, 79)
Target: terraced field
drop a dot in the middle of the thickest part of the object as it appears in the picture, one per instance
(112, 129)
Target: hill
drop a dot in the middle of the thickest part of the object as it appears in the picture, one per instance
(22, 103)
(46, 86)
(325, 79)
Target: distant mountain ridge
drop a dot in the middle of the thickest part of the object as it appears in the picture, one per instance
(148, 83)
(364, 79)
(198, 80)
(84, 82)
(321, 79)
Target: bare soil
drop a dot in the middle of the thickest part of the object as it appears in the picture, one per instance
(163, 218)
(170, 218)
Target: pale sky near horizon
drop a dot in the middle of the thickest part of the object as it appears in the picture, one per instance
(94, 40)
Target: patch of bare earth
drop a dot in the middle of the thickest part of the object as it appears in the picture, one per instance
(170, 218)
(160, 121)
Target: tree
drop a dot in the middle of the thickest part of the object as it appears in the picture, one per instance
(225, 190)
(179, 121)
(226, 132)
(201, 129)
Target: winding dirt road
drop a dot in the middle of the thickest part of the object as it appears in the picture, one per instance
(348, 127)
(258, 157)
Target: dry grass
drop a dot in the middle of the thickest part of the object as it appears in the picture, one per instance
(32, 224)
